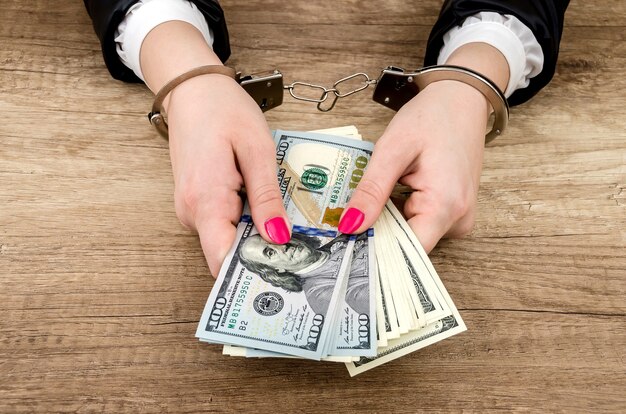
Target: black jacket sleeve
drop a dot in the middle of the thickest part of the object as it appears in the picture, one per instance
(543, 17)
(108, 14)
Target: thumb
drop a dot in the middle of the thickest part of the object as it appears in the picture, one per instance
(256, 162)
(428, 229)
(373, 190)
(217, 235)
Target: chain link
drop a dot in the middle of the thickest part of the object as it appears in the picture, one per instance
(325, 92)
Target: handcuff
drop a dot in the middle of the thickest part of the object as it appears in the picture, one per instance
(393, 88)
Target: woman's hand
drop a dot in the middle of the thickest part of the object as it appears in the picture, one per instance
(434, 145)
(219, 140)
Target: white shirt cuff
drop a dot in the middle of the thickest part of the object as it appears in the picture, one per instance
(507, 34)
(144, 16)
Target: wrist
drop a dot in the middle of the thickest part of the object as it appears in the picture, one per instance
(158, 114)
(459, 98)
(490, 63)
(484, 59)
(162, 57)
(457, 108)
(203, 90)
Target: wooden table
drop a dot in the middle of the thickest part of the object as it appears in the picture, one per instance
(102, 288)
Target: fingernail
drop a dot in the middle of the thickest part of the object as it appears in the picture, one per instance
(277, 229)
(351, 220)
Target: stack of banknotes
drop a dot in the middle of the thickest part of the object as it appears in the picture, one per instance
(363, 300)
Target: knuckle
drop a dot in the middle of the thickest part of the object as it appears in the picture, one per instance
(253, 145)
(464, 228)
(371, 190)
(449, 206)
(185, 202)
(459, 207)
(193, 205)
(411, 206)
(460, 203)
(403, 147)
(265, 194)
(187, 198)
(181, 214)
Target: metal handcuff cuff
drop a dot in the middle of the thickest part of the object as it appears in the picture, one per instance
(393, 88)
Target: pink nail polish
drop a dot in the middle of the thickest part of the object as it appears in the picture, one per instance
(277, 229)
(351, 220)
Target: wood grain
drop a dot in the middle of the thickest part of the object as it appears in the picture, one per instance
(102, 288)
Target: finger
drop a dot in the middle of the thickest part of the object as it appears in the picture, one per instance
(462, 228)
(431, 219)
(385, 167)
(427, 231)
(427, 219)
(216, 238)
(256, 161)
(215, 220)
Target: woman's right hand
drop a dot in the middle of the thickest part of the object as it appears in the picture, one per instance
(219, 142)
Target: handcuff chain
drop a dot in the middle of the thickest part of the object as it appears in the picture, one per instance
(394, 88)
(326, 91)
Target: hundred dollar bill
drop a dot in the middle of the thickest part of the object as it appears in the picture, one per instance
(278, 298)
(401, 313)
(349, 131)
(317, 175)
(431, 333)
(424, 277)
(238, 351)
(354, 330)
(410, 342)
(382, 317)
(416, 281)
(356, 316)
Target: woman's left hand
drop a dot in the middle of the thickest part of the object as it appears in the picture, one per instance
(434, 145)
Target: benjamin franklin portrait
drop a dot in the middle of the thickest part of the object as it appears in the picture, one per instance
(304, 265)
